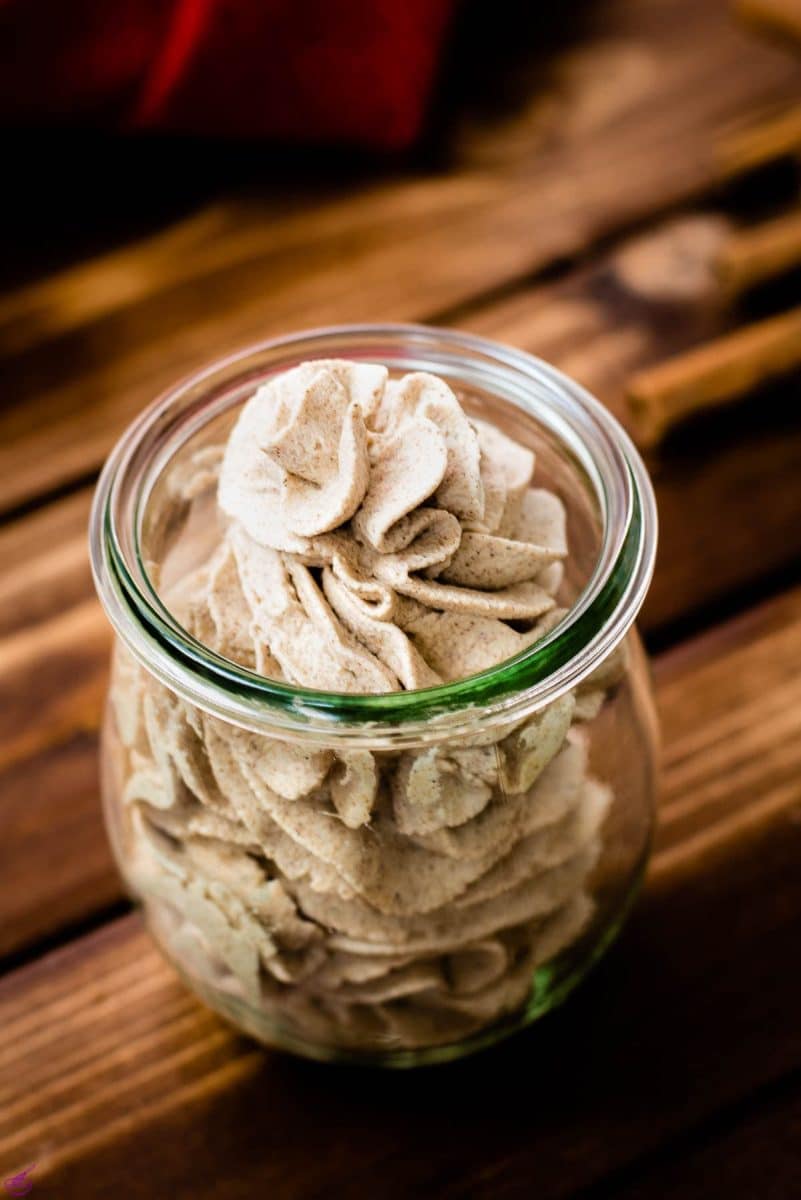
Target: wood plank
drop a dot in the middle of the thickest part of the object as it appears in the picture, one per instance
(54, 645)
(45, 563)
(714, 375)
(761, 252)
(114, 1081)
(749, 1155)
(647, 298)
(57, 871)
(774, 137)
(776, 18)
(55, 864)
(599, 323)
(625, 126)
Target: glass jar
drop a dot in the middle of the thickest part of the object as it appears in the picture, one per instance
(392, 940)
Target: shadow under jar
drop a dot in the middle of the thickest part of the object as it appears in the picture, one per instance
(396, 941)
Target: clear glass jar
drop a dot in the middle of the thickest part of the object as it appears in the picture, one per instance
(394, 943)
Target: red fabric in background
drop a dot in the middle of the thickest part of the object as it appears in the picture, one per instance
(322, 70)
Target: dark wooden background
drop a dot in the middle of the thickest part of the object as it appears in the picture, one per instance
(539, 211)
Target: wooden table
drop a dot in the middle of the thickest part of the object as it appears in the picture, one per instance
(675, 1070)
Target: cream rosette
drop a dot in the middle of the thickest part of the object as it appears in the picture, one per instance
(380, 538)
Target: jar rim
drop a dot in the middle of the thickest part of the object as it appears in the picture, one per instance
(587, 634)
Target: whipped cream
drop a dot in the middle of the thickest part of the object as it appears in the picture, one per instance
(378, 539)
(374, 538)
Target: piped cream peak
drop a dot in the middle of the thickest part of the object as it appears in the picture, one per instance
(384, 520)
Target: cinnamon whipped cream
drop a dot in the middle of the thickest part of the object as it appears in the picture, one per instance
(373, 538)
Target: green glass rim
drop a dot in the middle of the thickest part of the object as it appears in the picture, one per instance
(593, 626)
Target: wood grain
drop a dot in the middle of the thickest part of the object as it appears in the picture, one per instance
(57, 869)
(595, 149)
(743, 1156)
(779, 18)
(759, 253)
(117, 1083)
(714, 374)
(45, 563)
(775, 136)
(599, 323)
(55, 865)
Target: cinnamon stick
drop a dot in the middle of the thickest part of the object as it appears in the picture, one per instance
(751, 256)
(772, 138)
(780, 18)
(713, 374)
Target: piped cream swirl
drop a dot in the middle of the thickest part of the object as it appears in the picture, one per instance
(371, 521)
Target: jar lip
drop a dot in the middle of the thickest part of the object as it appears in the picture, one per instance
(594, 625)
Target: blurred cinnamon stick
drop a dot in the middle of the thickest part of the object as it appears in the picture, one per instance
(751, 256)
(713, 374)
(775, 17)
(772, 138)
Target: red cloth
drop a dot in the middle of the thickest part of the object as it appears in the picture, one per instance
(341, 70)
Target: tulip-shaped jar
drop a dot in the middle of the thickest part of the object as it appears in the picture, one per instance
(403, 876)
